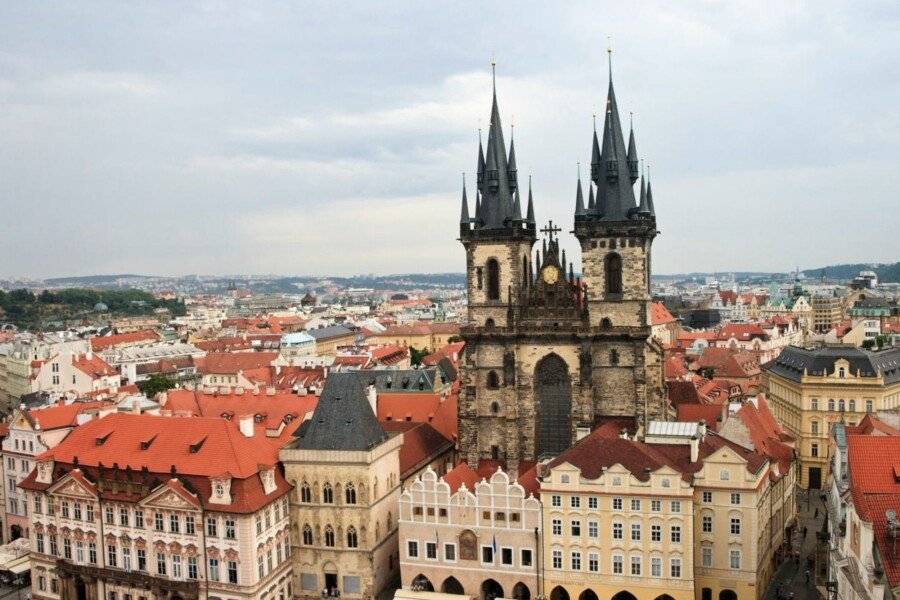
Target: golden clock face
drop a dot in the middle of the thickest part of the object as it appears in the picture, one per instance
(550, 275)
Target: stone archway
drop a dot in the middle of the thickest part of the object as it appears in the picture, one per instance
(521, 592)
(588, 594)
(623, 595)
(559, 593)
(727, 595)
(665, 597)
(452, 585)
(553, 406)
(490, 589)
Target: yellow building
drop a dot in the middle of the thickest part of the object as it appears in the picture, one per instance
(810, 389)
(681, 515)
(432, 336)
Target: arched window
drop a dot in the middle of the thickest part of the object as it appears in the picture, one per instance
(350, 494)
(327, 494)
(525, 269)
(493, 380)
(329, 536)
(489, 323)
(307, 535)
(495, 408)
(351, 537)
(612, 266)
(605, 323)
(305, 493)
(841, 405)
(613, 357)
(493, 279)
(390, 522)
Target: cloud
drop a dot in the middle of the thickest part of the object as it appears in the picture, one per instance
(99, 84)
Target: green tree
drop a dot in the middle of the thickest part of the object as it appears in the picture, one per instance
(416, 355)
(155, 384)
(707, 372)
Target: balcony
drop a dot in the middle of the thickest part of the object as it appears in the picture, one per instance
(160, 587)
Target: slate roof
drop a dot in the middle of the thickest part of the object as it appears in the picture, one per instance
(399, 380)
(343, 419)
(792, 361)
(327, 333)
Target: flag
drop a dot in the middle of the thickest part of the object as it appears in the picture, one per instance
(495, 544)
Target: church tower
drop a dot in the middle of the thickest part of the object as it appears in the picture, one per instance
(550, 356)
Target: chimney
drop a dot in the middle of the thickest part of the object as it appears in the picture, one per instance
(245, 423)
(695, 449)
(623, 433)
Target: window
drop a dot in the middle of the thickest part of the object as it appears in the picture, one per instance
(526, 557)
(506, 556)
(158, 522)
(67, 548)
(307, 535)
(707, 524)
(189, 527)
(76, 511)
(635, 504)
(65, 507)
(675, 568)
(54, 549)
(735, 498)
(814, 404)
(852, 405)
(493, 279)
(617, 531)
(493, 382)
(656, 533)
(724, 475)
(212, 529)
(174, 524)
(232, 571)
(111, 595)
(557, 559)
(735, 525)
(92, 553)
(557, 526)
(655, 506)
(575, 501)
(814, 450)
(260, 566)
(39, 542)
(556, 500)
(192, 567)
(593, 529)
(37, 504)
(593, 562)
(305, 493)
(230, 529)
(675, 506)
(841, 405)
(635, 565)
(111, 555)
(831, 404)
(214, 569)
(676, 534)
(735, 559)
(868, 406)
(576, 528)
(123, 516)
(126, 558)
(42, 583)
(412, 549)
(592, 502)
(449, 552)
(329, 536)
(138, 517)
(618, 565)
(327, 494)
(431, 550)
(635, 532)
(487, 554)
(576, 561)
(617, 504)
(656, 567)
(707, 557)
(350, 494)
(612, 266)
(352, 541)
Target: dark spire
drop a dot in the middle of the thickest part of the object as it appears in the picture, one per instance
(591, 203)
(650, 195)
(480, 181)
(632, 153)
(642, 208)
(464, 211)
(530, 217)
(478, 218)
(595, 156)
(517, 207)
(497, 200)
(511, 166)
(579, 196)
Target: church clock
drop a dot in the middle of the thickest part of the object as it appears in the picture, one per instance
(550, 274)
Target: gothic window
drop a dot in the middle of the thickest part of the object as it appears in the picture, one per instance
(605, 323)
(489, 323)
(479, 276)
(493, 279)
(525, 269)
(351, 537)
(305, 493)
(493, 380)
(327, 494)
(613, 357)
(495, 408)
(613, 270)
(329, 536)
(350, 494)
(553, 393)
(307, 535)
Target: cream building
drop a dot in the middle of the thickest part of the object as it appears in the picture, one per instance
(469, 535)
(810, 389)
(346, 472)
(131, 507)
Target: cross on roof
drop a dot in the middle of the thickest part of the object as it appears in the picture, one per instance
(550, 229)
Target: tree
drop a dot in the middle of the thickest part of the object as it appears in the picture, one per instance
(416, 355)
(707, 372)
(155, 384)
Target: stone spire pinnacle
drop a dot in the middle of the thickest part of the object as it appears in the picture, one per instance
(530, 217)
(480, 181)
(511, 170)
(642, 207)
(650, 195)
(591, 205)
(579, 196)
(464, 211)
(632, 153)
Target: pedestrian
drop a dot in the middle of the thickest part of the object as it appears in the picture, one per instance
(807, 576)
(804, 532)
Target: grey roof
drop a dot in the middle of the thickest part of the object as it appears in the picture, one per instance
(400, 380)
(332, 331)
(343, 419)
(579, 199)
(793, 360)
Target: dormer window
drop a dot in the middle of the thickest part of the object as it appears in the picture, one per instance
(841, 372)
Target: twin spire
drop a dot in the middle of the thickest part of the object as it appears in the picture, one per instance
(498, 204)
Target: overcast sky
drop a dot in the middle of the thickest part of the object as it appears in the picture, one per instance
(330, 138)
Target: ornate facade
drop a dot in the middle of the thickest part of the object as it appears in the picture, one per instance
(548, 353)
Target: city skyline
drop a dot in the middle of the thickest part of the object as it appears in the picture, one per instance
(212, 140)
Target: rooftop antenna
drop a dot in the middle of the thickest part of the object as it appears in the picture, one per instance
(609, 55)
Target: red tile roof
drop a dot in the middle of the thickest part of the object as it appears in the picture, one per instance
(145, 335)
(422, 444)
(694, 413)
(430, 408)
(659, 314)
(452, 351)
(742, 332)
(729, 363)
(232, 362)
(95, 367)
(674, 367)
(871, 425)
(765, 433)
(63, 415)
(459, 475)
(223, 344)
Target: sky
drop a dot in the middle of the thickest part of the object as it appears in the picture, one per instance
(319, 138)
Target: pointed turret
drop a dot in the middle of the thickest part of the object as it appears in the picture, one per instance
(579, 199)
(650, 196)
(632, 154)
(591, 203)
(497, 201)
(480, 181)
(511, 170)
(530, 218)
(478, 218)
(464, 211)
(595, 156)
(517, 208)
(643, 210)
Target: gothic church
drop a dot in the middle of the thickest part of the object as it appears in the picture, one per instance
(550, 356)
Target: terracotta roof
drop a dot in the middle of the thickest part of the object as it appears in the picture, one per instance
(728, 363)
(145, 335)
(63, 415)
(95, 367)
(452, 351)
(659, 314)
(422, 444)
(742, 331)
(765, 433)
(232, 362)
(674, 367)
(223, 344)
(694, 413)
(871, 425)
(430, 408)
(459, 475)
